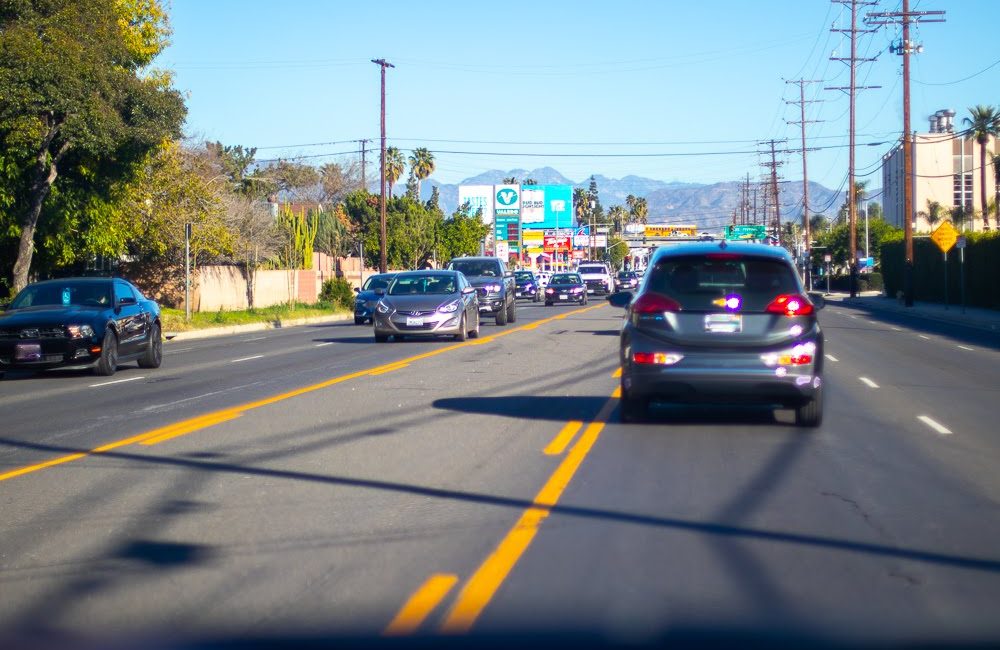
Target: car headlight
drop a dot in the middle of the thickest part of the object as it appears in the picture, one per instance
(450, 308)
(576, 290)
(382, 307)
(493, 287)
(80, 331)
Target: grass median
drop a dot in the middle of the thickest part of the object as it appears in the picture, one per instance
(173, 319)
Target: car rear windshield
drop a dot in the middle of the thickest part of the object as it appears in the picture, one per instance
(471, 268)
(64, 294)
(698, 282)
(566, 278)
(423, 284)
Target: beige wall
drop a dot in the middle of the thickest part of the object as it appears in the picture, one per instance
(934, 168)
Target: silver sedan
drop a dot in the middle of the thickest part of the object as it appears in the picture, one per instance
(427, 304)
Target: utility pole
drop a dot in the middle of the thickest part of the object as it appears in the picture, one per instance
(382, 63)
(852, 62)
(806, 252)
(905, 48)
(773, 166)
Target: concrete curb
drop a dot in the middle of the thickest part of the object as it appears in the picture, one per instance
(211, 332)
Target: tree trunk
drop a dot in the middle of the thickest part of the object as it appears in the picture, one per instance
(982, 182)
(46, 175)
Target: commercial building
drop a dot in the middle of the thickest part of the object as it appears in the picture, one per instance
(945, 170)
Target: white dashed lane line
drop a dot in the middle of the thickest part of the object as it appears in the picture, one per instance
(256, 338)
(926, 338)
(966, 347)
(831, 358)
(256, 356)
(319, 345)
(940, 428)
(868, 382)
(116, 381)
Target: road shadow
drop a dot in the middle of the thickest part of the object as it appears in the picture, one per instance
(528, 407)
(962, 333)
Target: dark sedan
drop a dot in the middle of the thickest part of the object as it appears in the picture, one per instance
(722, 323)
(365, 301)
(427, 304)
(80, 321)
(565, 287)
(626, 280)
(527, 286)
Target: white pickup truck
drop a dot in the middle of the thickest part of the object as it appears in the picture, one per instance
(597, 277)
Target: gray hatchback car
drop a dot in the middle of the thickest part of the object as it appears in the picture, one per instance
(427, 303)
(721, 323)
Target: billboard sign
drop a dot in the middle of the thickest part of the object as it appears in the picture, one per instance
(543, 205)
(508, 200)
(478, 197)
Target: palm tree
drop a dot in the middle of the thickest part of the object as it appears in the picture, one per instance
(860, 192)
(630, 204)
(510, 180)
(529, 181)
(395, 164)
(421, 165)
(618, 216)
(985, 122)
(642, 210)
(996, 188)
(581, 203)
(933, 214)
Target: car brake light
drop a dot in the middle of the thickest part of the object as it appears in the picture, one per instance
(800, 355)
(790, 305)
(656, 358)
(654, 303)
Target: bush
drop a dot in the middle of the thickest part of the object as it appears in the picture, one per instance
(337, 292)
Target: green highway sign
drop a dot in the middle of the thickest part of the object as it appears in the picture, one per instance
(755, 231)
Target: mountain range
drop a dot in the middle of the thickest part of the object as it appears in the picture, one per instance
(710, 206)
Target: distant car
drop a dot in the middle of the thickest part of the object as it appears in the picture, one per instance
(721, 323)
(526, 286)
(565, 287)
(99, 322)
(596, 276)
(626, 280)
(495, 284)
(543, 278)
(427, 304)
(364, 302)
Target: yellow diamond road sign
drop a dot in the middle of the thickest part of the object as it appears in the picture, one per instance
(945, 236)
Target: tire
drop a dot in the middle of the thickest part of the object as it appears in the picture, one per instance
(548, 304)
(359, 321)
(381, 338)
(474, 334)
(512, 313)
(463, 333)
(633, 409)
(810, 414)
(107, 364)
(153, 356)
(501, 317)
(536, 298)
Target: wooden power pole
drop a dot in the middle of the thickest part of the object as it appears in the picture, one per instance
(383, 64)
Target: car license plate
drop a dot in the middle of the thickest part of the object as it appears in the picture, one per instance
(28, 352)
(517, 295)
(724, 323)
(414, 322)
(563, 296)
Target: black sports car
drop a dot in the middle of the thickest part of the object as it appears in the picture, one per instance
(566, 287)
(80, 321)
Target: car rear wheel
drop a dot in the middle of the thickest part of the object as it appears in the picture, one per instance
(107, 364)
(633, 409)
(810, 414)
(359, 321)
(548, 304)
(381, 338)
(153, 356)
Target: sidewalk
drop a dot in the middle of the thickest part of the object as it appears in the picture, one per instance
(210, 332)
(984, 319)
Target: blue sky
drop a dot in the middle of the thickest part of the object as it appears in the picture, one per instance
(585, 87)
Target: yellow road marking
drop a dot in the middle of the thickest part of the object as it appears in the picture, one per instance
(617, 373)
(385, 369)
(617, 394)
(563, 438)
(483, 584)
(420, 604)
(202, 421)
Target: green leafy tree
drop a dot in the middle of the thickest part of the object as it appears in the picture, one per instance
(395, 165)
(235, 163)
(79, 109)
(336, 180)
(421, 165)
(983, 123)
(462, 233)
(641, 210)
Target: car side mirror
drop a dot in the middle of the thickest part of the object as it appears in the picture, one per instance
(380, 292)
(4, 305)
(817, 299)
(126, 300)
(468, 290)
(620, 299)
(357, 289)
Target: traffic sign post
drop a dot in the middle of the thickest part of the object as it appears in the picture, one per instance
(960, 244)
(945, 236)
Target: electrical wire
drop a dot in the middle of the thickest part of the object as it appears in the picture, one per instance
(958, 81)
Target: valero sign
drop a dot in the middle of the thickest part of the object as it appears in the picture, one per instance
(508, 200)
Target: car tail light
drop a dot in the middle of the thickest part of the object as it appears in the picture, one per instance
(790, 305)
(802, 354)
(654, 303)
(656, 358)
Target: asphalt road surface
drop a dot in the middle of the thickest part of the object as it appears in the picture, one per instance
(310, 483)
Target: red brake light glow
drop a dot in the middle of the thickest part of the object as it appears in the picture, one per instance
(790, 305)
(656, 358)
(654, 303)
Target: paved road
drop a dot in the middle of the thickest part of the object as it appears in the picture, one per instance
(310, 482)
